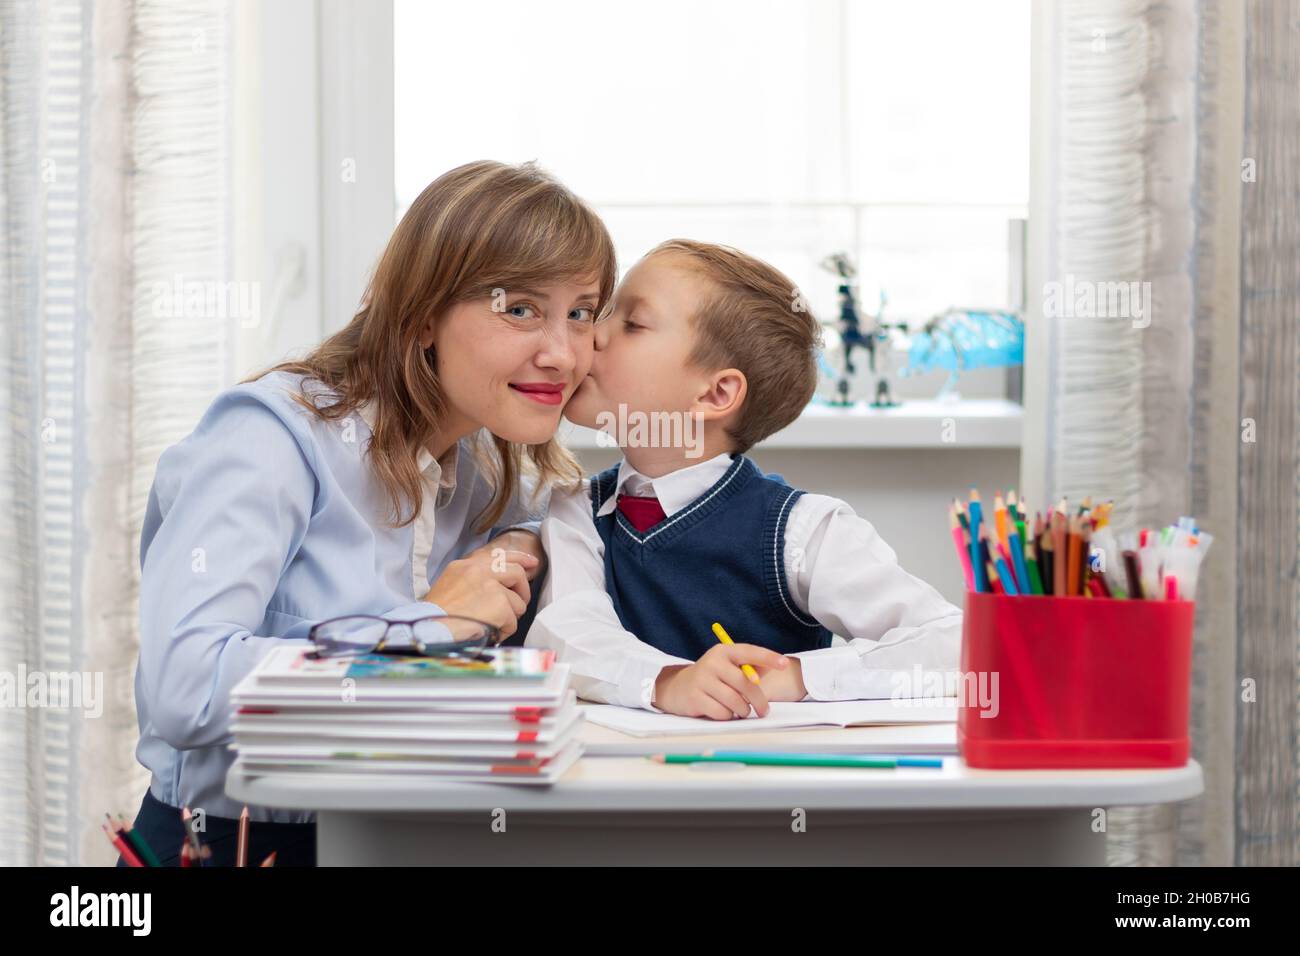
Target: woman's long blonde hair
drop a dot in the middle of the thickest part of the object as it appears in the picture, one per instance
(479, 227)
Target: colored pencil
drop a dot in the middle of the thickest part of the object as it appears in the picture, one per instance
(1085, 554)
(977, 565)
(1022, 571)
(902, 761)
(241, 848)
(1072, 557)
(1008, 579)
(1004, 555)
(988, 554)
(1132, 575)
(1046, 556)
(963, 548)
(190, 824)
(127, 853)
(1000, 517)
(1102, 585)
(137, 842)
(1031, 563)
(985, 554)
(1021, 528)
(961, 515)
(1059, 556)
(785, 760)
(995, 585)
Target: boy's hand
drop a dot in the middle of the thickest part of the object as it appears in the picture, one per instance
(715, 686)
(785, 684)
(518, 539)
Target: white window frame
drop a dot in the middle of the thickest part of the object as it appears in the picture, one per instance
(311, 239)
(307, 234)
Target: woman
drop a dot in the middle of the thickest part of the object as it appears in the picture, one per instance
(378, 475)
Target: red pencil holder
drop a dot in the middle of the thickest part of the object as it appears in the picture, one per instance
(1080, 682)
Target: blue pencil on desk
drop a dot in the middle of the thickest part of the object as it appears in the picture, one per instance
(786, 759)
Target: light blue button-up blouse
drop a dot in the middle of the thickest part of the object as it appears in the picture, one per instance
(261, 522)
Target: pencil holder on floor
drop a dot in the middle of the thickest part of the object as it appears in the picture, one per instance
(1080, 682)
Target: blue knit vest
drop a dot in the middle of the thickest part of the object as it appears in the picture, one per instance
(721, 558)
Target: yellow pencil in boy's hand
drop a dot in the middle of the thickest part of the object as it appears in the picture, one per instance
(725, 638)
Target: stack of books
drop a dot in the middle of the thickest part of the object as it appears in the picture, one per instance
(506, 715)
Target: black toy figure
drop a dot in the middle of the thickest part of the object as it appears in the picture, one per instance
(851, 334)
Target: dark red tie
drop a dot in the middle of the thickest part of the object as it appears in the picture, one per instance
(642, 512)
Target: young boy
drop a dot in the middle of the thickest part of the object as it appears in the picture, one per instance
(646, 556)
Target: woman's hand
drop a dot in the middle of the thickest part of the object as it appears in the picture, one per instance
(490, 584)
(715, 686)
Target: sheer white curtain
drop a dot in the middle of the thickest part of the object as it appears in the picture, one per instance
(114, 187)
(1170, 140)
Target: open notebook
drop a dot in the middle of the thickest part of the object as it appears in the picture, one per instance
(813, 713)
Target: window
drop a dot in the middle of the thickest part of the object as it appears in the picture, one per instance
(897, 132)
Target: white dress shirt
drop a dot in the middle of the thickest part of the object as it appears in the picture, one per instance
(840, 572)
(438, 480)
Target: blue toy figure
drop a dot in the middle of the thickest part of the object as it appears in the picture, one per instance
(963, 339)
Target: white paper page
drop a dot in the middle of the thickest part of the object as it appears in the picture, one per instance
(813, 713)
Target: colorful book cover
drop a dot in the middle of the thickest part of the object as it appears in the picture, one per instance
(497, 662)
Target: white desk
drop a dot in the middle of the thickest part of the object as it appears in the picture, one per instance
(629, 810)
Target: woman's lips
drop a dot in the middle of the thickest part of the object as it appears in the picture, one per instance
(544, 393)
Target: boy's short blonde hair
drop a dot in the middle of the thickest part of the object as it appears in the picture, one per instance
(756, 321)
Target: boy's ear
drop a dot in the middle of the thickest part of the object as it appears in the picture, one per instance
(724, 394)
